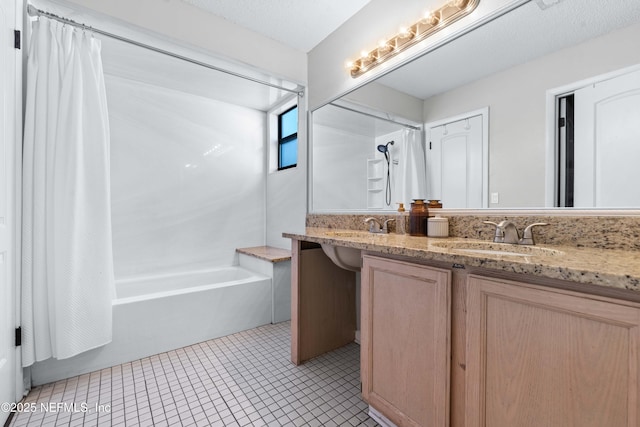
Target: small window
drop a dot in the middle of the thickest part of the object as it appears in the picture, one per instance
(288, 138)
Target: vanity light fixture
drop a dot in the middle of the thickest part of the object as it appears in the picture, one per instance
(408, 36)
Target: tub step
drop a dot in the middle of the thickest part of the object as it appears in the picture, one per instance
(276, 264)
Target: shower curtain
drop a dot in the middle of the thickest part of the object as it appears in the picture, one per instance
(413, 170)
(67, 262)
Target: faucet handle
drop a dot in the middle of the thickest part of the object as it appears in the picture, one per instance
(499, 236)
(385, 226)
(527, 235)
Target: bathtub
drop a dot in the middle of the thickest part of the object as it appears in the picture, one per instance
(154, 314)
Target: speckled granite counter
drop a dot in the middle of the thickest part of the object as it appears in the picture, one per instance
(603, 267)
(266, 253)
(603, 232)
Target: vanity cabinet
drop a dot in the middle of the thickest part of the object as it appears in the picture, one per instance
(444, 347)
(405, 341)
(446, 344)
(538, 356)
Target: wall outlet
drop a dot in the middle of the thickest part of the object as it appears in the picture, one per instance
(495, 197)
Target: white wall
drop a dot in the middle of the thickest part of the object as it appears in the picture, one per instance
(286, 203)
(380, 98)
(516, 99)
(345, 155)
(328, 76)
(187, 179)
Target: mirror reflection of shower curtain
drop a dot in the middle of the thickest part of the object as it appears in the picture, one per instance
(412, 168)
(67, 262)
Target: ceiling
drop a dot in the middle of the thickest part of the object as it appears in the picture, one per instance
(534, 29)
(301, 24)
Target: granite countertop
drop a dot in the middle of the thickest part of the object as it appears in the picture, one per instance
(266, 253)
(604, 267)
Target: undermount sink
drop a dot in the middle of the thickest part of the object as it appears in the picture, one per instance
(490, 248)
(349, 258)
(343, 257)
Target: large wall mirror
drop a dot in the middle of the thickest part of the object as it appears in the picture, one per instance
(536, 109)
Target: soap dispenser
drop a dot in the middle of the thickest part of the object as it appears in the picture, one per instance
(401, 226)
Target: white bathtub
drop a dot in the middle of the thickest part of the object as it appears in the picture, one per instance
(155, 314)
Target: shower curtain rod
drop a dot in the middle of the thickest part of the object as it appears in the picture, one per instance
(376, 117)
(34, 11)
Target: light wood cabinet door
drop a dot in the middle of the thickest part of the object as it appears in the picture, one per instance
(544, 357)
(405, 341)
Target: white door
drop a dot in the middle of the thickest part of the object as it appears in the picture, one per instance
(9, 112)
(607, 143)
(457, 162)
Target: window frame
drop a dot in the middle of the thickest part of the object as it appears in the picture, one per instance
(286, 139)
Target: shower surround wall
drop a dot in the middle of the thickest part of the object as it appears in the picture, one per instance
(187, 176)
(343, 155)
(187, 189)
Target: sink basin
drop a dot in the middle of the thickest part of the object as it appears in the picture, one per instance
(490, 248)
(347, 258)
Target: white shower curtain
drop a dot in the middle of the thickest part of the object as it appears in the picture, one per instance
(413, 168)
(67, 263)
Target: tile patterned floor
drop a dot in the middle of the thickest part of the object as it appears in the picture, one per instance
(244, 379)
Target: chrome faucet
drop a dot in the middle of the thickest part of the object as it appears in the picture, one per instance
(507, 232)
(376, 227)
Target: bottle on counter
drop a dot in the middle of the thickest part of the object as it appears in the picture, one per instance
(438, 226)
(434, 204)
(418, 218)
(401, 226)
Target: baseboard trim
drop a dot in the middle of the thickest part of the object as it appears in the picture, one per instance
(379, 418)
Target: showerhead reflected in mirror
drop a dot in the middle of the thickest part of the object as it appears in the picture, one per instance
(384, 148)
(371, 159)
